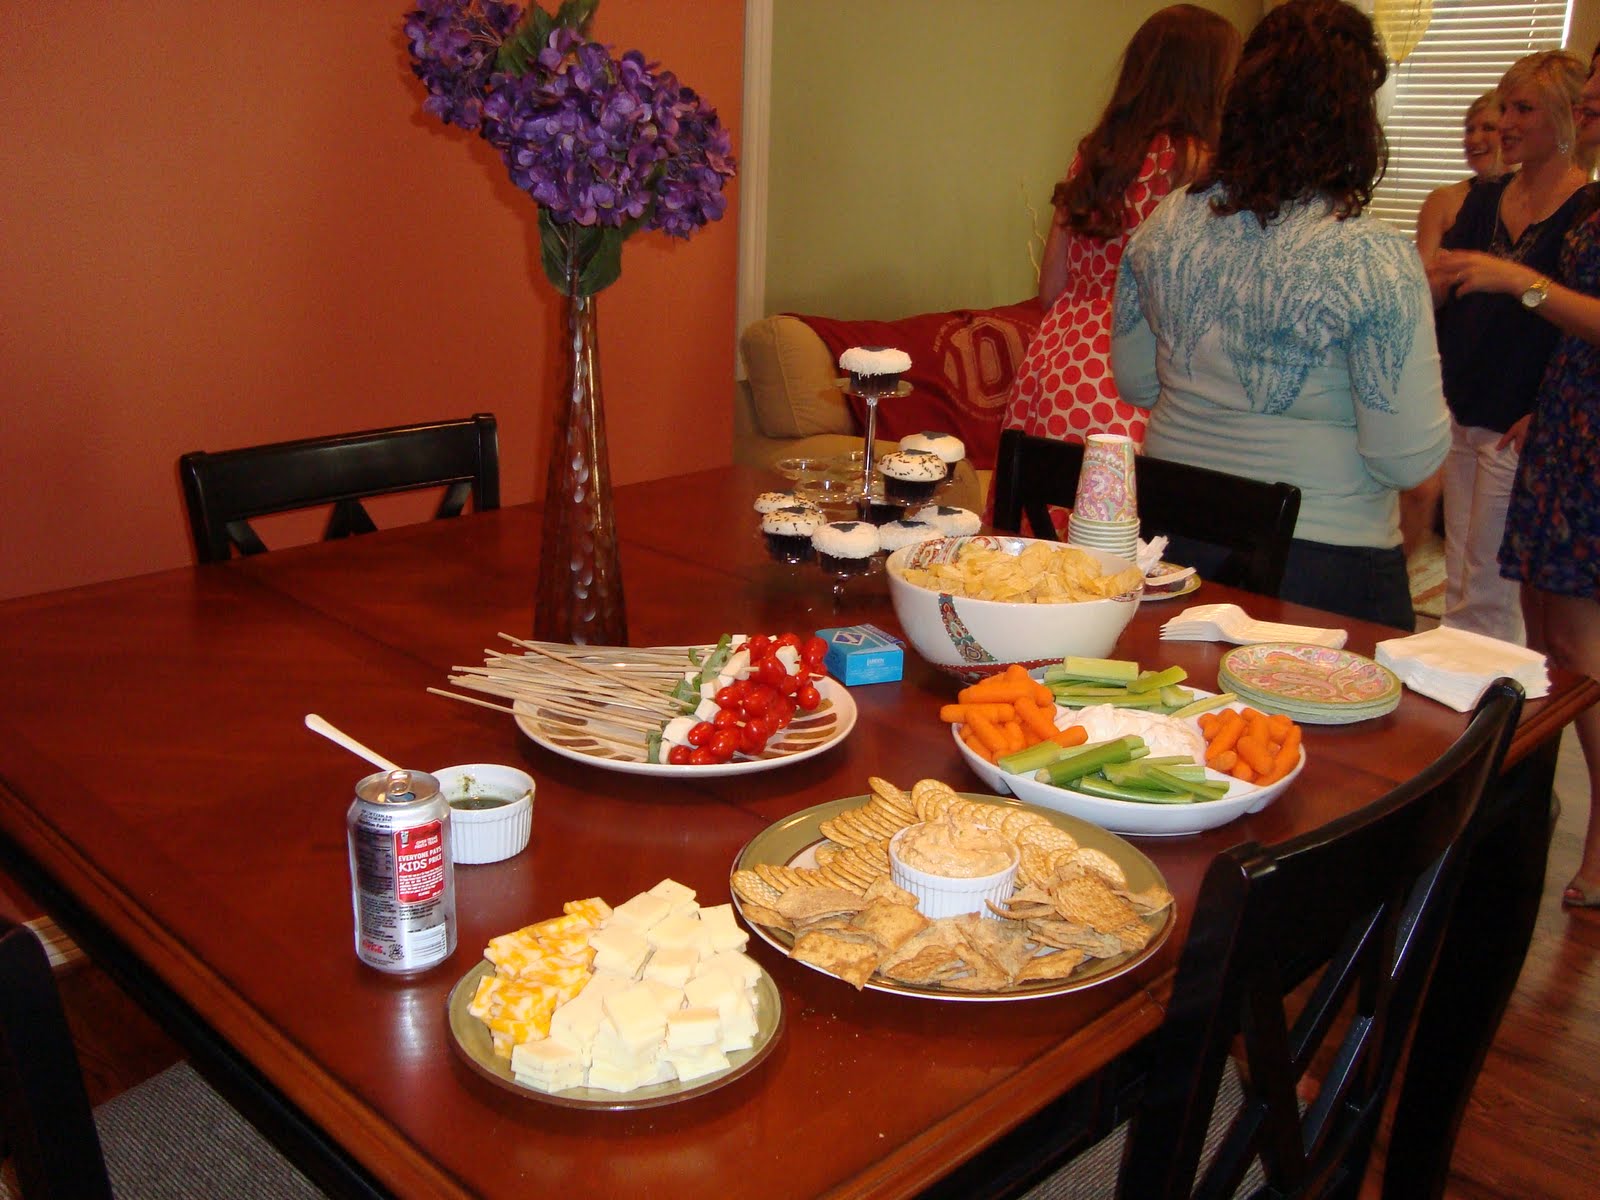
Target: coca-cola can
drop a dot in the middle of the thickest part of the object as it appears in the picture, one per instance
(402, 874)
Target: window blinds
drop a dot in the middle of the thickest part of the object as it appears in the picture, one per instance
(1468, 46)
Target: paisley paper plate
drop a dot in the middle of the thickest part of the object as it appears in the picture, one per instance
(1314, 684)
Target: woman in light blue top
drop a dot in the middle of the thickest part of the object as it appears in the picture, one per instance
(1276, 333)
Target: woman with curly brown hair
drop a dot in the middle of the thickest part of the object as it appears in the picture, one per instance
(1155, 134)
(1280, 335)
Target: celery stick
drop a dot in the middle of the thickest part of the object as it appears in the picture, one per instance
(1118, 750)
(1105, 670)
(1024, 762)
(1088, 689)
(1093, 785)
(1205, 788)
(1204, 704)
(1154, 681)
(1176, 697)
(1138, 775)
(1150, 700)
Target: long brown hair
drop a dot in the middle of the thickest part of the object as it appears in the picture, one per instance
(1172, 79)
(1301, 119)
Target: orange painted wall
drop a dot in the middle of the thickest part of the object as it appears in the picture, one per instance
(224, 224)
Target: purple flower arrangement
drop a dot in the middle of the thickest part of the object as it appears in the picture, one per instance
(605, 146)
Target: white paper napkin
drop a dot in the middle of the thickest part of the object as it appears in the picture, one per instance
(1230, 623)
(1455, 666)
(1150, 552)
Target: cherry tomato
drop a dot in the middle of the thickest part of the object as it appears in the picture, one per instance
(730, 696)
(807, 697)
(758, 646)
(700, 734)
(814, 653)
(790, 639)
(770, 672)
(701, 757)
(726, 718)
(783, 710)
(753, 738)
(723, 743)
(759, 699)
(678, 756)
(787, 684)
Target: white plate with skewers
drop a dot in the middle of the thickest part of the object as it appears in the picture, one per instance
(585, 703)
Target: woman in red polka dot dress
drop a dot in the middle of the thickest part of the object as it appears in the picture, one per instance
(1154, 135)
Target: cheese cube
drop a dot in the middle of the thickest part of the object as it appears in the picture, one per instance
(610, 1050)
(667, 998)
(675, 894)
(625, 1079)
(679, 931)
(690, 1027)
(636, 1015)
(547, 1066)
(593, 911)
(723, 929)
(640, 913)
(554, 927)
(673, 967)
(619, 949)
(718, 990)
(736, 963)
(697, 1062)
(739, 1029)
(576, 1022)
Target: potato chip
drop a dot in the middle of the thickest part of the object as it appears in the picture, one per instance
(1042, 573)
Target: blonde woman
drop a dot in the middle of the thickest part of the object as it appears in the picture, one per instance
(1493, 347)
(1480, 145)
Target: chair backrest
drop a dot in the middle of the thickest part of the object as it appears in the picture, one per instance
(46, 1125)
(224, 490)
(1356, 912)
(1253, 521)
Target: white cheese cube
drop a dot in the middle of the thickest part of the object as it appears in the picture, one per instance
(640, 913)
(697, 1062)
(676, 731)
(737, 666)
(681, 898)
(723, 928)
(547, 1065)
(576, 1022)
(620, 950)
(673, 966)
(681, 931)
(739, 1026)
(735, 963)
(610, 1050)
(628, 1079)
(636, 1015)
(789, 657)
(690, 1027)
(667, 998)
(718, 990)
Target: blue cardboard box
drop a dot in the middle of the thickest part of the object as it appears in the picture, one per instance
(863, 654)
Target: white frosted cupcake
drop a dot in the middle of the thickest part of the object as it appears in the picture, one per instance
(875, 370)
(894, 534)
(952, 522)
(912, 474)
(846, 547)
(772, 501)
(948, 447)
(788, 531)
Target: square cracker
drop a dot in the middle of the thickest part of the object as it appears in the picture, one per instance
(853, 962)
(890, 925)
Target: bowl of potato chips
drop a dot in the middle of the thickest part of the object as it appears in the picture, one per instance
(971, 606)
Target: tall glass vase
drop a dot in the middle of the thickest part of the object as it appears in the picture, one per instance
(580, 578)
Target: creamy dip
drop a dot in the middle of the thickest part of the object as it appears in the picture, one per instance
(955, 849)
(1161, 733)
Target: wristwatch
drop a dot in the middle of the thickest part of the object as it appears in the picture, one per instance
(1538, 292)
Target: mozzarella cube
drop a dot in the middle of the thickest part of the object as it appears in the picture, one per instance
(723, 929)
(636, 1015)
(640, 913)
(667, 998)
(673, 967)
(735, 963)
(681, 898)
(681, 931)
(697, 1062)
(690, 1027)
(718, 990)
(620, 950)
(547, 1066)
(624, 1079)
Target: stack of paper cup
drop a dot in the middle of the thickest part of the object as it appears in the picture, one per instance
(1105, 515)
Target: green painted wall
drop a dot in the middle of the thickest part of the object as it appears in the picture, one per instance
(915, 143)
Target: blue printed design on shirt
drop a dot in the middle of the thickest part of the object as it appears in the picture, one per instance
(1279, 301)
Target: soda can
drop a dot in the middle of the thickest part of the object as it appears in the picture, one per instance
(402, 874)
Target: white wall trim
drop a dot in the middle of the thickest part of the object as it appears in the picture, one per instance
(757, 122)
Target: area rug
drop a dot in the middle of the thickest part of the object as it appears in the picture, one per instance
(1426, 569)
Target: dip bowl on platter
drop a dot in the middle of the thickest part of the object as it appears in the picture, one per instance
(941, 593)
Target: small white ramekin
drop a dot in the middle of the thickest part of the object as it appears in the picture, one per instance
(486, 835)
(948, 896)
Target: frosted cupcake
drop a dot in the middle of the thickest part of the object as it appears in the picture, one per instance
(874, 370)
(952, 522)
(912, 474)
(846, 547)
(788, 531)
(948, 447)
(904, 533)
(772, 501)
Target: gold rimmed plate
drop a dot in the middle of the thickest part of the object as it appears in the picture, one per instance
(793, 842)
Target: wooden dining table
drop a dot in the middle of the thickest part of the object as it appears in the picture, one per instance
(161, 795)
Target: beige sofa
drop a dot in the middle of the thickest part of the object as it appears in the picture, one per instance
(790, 404)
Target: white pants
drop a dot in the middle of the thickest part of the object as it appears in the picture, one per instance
(1477, 490)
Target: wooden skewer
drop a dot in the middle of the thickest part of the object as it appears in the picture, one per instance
(601, 672)
(566, 708)
(632, 744)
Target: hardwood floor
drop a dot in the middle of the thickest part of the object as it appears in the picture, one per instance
(1532, 1130)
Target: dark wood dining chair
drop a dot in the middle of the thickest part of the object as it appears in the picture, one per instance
(1252, 521)
(224, 490)
(1300, 982)
(171, 1135)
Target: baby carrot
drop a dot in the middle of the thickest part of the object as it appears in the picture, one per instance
(1072, 735)
(1016, 736)
(1253, 750)
(1241, 770)
(976, 746)
(956, 714)
(1208, 724)
(987, 732)
(1284, 760)
(1280, 724)
(995, 690)
(1036, 721)
(1223, 762)
(1229, 726)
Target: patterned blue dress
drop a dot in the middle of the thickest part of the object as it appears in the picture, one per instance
(1552, 538)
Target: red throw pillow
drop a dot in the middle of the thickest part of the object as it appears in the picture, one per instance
(962, 367)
